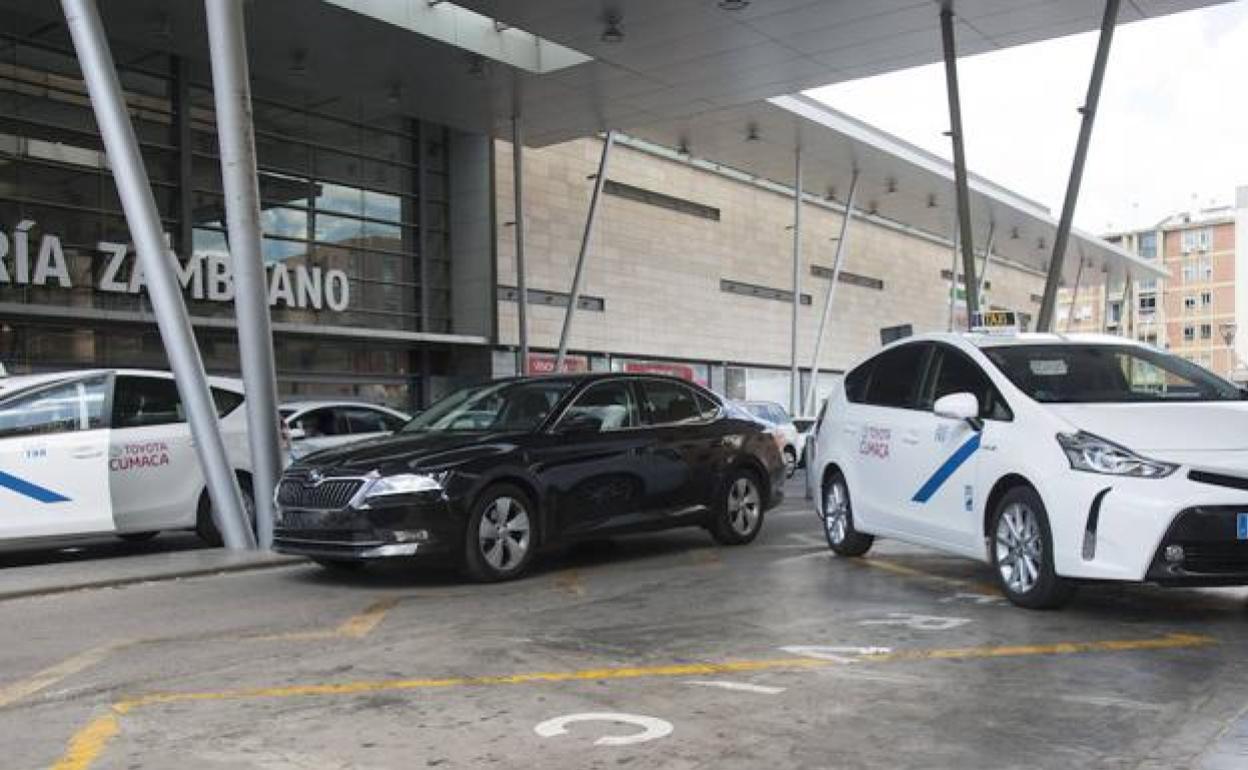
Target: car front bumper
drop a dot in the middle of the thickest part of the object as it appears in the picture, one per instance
(418, 528)
(1115, 528)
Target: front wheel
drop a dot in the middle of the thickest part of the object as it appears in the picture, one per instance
(499, 541)
(838, 520)
(739, 514)
(1022, 552)
(206, 523)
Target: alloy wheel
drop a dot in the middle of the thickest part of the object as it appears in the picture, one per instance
(836, 512)
(503, 536)
(1019, 548)
(744, 506)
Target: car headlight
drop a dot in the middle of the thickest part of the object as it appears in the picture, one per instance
(400, 484)
(1094, 454)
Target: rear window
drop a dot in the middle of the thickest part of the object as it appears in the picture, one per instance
(896, 377)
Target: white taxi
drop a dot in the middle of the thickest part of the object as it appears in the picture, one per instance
(107, 452)
(1057, 459)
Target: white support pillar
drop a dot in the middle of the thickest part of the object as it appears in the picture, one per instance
(575, 294)
(134, 189)
(795, 375)
(522, 283)
(832, 283)
(227, 46)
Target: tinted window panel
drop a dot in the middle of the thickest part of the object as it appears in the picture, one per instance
(64, 408)
(320, 422)
(856, 382)
(896, 375)
(668, 403)
(140, 402)
(365, 421)
(227, 401)
(609, 404)
(956, 373)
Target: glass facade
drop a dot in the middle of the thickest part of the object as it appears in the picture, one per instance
(353, 207)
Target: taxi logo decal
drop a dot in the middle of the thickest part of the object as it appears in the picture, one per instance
(950, 466)
(33, 491)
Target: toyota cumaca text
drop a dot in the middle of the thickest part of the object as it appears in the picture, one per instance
(492, 474)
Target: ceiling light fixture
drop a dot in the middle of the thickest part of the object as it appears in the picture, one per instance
(751, 133)
(891, 186)
(734, 5)
(831, 194)
(684, 147)
(613, 33)
(395, 93)
(299, 62)
(477, 66)
(931, 201)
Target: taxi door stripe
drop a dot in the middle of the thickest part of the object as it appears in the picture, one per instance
(33, 491)
(950, 466)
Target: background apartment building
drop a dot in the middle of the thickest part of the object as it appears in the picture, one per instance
(1200, 311)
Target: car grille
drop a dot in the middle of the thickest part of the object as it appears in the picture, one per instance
(1213, 559)
(298, 491)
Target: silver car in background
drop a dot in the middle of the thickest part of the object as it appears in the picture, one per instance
(315, 425)
(778, 418)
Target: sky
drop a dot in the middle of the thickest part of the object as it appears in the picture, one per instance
(1171, 133)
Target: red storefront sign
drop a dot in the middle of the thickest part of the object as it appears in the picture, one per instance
(544, 363)
(683, 371)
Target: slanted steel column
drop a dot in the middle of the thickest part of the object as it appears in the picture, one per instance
(953, 278)
(959, 162)
(827, 303)
(983, 271)
(135, 190)
(1074, 296)
(1088, 110)
(227, 47)
(795, 376)
(522, 283)
(575, 294)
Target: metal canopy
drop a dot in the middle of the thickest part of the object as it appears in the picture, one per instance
(898, 181)
(677, 58)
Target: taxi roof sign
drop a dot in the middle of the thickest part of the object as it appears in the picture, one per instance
(996, 322)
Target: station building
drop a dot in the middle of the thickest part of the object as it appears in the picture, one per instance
(388, 220)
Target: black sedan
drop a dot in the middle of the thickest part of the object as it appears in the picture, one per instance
(491, 474)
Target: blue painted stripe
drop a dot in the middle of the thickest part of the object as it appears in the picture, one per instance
(33, 491)
(946, 470)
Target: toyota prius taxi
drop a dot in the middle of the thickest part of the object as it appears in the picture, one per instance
(1057, 459)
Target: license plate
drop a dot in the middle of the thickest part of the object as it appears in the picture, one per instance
(1241, 526)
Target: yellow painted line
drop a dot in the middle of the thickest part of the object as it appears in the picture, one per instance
(987, 589)
(570, 582)
(91, 741)
(357, 626)
(53, 675)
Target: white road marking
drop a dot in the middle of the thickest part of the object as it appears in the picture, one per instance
(836, 654)
(917, 622)
(653, 728)
(741, 686)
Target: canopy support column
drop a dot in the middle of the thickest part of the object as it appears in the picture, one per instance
(1088, 110)
(1074, 296)
(953, 277)
(575, 294)
(522, 283)
(983, 271)
(795, 378)
(236, 135)
(959, 162)
(827, 303)
(135, 190)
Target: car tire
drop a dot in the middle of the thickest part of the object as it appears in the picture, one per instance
(838, 519)
(137, 537)
(738, 514)
(1021, 548)
(340, 565)
(501, 538)
(790, 462)
(206, 525)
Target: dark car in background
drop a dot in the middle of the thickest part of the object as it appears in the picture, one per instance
(491, 474)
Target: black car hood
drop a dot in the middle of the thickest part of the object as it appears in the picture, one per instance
(398, 452)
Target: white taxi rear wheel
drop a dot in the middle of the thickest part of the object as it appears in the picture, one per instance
(838, 520)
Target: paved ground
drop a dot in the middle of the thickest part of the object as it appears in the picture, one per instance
(775, 654)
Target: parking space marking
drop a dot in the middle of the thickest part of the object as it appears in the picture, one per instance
(570, 582)
(52, 675)
(967, 586)
(738, 686)
(357, 626)
(652, 728)
(91, 741)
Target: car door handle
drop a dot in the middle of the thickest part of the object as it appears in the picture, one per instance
(86, 453)
(910, 437)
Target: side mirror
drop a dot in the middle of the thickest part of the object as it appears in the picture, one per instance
(579, 424)
(959, 406)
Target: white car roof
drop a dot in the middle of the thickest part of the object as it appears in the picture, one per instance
(9, 384)
(300, 406)
(984, 340)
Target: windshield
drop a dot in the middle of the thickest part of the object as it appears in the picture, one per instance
(1089, 374)
(513, 406)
